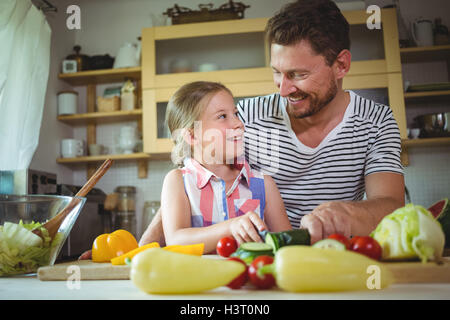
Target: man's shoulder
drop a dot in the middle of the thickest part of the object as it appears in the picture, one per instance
(366, 109)
(259, 107)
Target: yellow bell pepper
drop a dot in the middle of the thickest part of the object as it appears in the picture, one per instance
(121, 259)
(194, 249)
(308, 269)
(110, 245)
(160, 271)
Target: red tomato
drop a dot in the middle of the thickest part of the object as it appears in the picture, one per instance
(266, 281)
(367, 246)
(341, 238)
(226, 246)
(241, 279)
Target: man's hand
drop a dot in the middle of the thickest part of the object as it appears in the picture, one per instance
(326, 219)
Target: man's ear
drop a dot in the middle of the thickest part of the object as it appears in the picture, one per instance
(341, 65)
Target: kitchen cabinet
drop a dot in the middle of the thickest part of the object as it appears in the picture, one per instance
(91, 118)
(252, 80)
(420, 55)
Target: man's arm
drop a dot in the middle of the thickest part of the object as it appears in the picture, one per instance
(385, 192)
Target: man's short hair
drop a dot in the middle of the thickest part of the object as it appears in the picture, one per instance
(320, 22)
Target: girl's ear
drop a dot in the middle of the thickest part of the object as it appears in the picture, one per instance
(189, 137)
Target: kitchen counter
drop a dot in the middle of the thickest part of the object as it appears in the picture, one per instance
(31, 288)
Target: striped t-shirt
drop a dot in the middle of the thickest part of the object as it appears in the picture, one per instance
(366, 141)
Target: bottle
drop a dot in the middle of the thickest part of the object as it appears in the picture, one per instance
(149, 212)
(125, 215)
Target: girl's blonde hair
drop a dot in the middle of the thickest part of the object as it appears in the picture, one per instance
(183, 109)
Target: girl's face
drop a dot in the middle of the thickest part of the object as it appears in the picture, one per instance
(218, 135)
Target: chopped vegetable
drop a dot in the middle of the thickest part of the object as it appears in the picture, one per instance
(309, 269)
(330, 244)
(341, 238)
(120, 260)
(248, 251)
(21, 251)
(286, 238)
(410, 232)
(110, 245)
(194, 249)
(160, 271)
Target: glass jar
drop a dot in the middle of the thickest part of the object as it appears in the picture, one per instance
(125, 215)
(127, 198)
(149, 212)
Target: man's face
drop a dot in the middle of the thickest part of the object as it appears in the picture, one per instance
(303, 77)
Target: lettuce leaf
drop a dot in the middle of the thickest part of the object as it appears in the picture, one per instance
(21, 251)
(410, 232)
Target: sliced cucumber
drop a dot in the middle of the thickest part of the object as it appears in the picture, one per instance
(330, 244)
(248, 251)
(287, 238)
(256, 246)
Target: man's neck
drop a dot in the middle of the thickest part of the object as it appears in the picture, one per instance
(313, 129)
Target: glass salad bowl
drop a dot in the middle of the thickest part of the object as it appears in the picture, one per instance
(21, 251)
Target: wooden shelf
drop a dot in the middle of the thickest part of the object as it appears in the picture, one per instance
(101, 76)
(421, 94)
(116, 157)
(426, 142)
(101, 117)
(423, 54)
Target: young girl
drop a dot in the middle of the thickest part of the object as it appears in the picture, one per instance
(215, 193)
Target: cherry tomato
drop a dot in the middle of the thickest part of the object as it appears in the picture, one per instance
(341, 238)
(241, 279)
(226, 246)
(265, 281)
(367, 246)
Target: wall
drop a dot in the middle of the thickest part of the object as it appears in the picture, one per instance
(107, 24)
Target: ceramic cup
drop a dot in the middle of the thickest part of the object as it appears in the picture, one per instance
(67, 102)
(71, 148)
(95, 149)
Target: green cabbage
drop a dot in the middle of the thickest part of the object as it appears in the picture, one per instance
(21, 251)
(410, 232)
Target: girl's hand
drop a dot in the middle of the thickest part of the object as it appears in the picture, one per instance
(245, 228)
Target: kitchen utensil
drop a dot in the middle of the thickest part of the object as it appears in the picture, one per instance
(422, 32)
(71, 148)
(88, 271)
(81, 59)
(95, 149)
(127, 139)
(128, 56)
(101, 62)
(67, 102)
(228, 11)
(205, 67)
(53, 224)
(149, 212)
(441, 36)
(28, 209)
(180, 65)
(414, 133)
(435, 124)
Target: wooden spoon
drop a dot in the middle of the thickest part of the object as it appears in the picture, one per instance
(54, 223)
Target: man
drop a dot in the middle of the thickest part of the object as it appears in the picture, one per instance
(324, 147)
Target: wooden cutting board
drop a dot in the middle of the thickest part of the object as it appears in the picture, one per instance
(404, 272)
(87, 269)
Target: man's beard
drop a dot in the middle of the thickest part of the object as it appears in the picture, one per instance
(316, 104)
